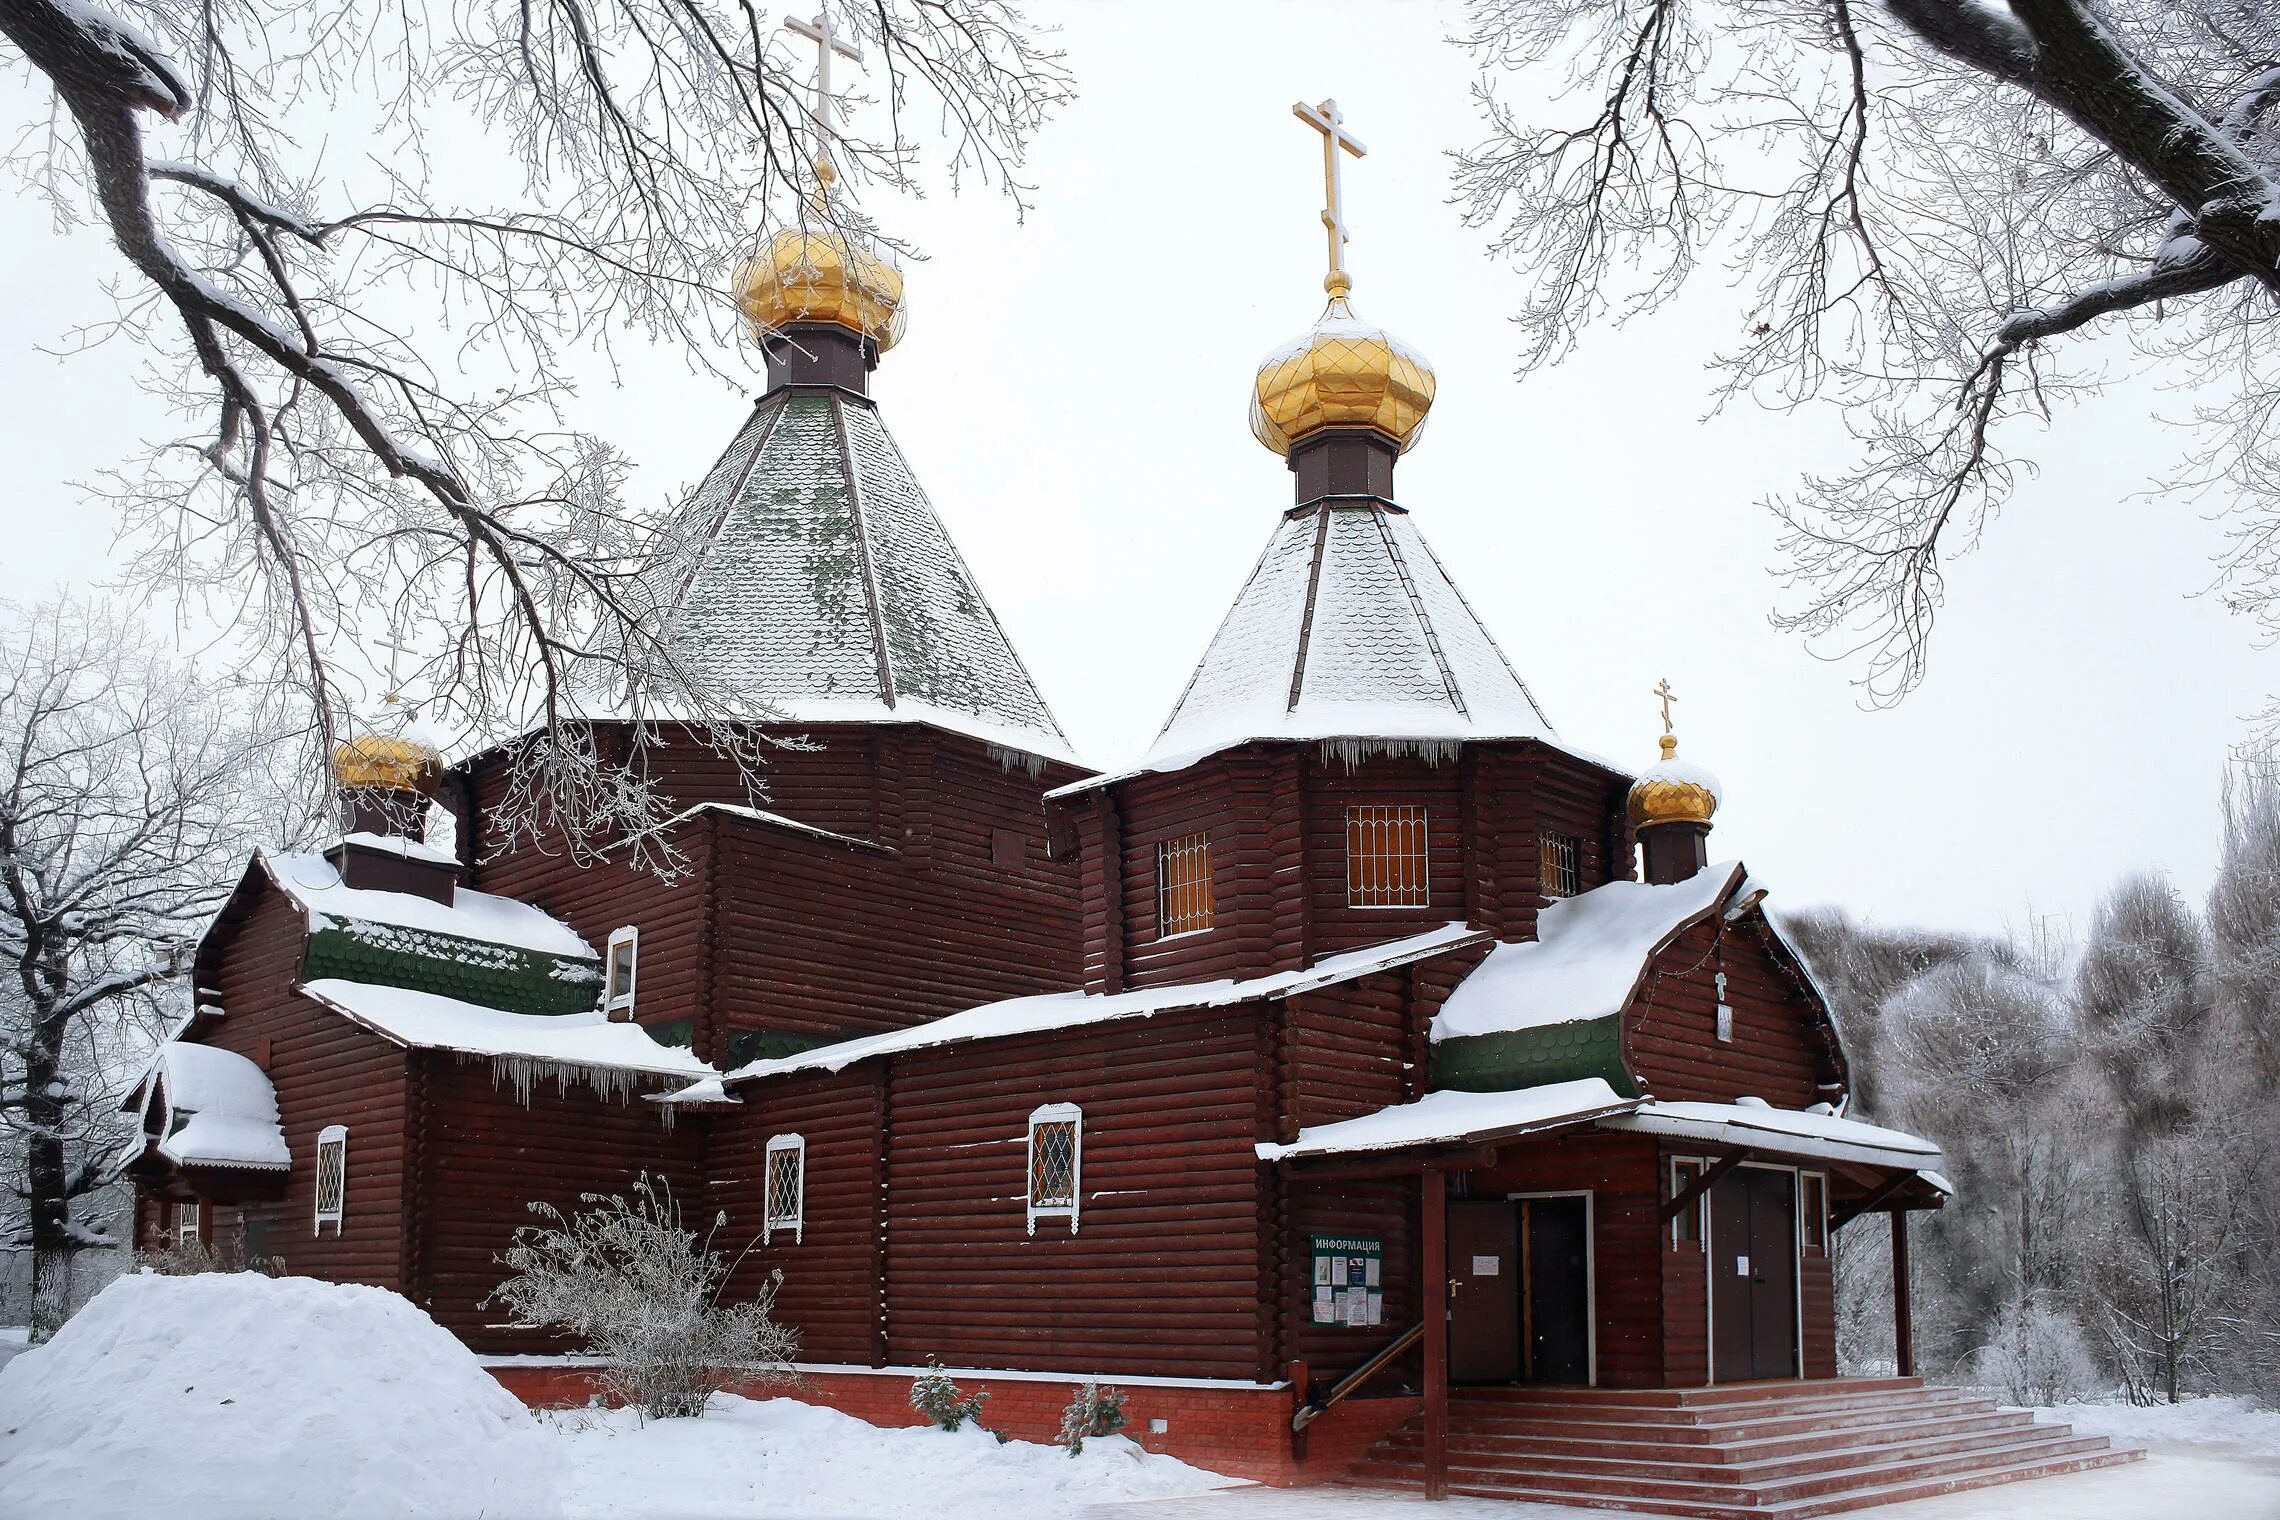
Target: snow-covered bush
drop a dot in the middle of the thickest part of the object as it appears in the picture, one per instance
(934, 1395)
(643, 1292)
(2038, 1356)
(1095, 1411)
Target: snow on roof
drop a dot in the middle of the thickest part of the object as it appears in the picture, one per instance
(1049, 1011)
(809, 576)
(1452, 1116)
(429, 1022)
(772, 820)
(315, 887)
(221, 1109)
(1752, 1122)
(1587, 956)
(399, 844)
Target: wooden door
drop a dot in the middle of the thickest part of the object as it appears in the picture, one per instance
(1753, 1275)
(1556, 1304)
(1484, 1291)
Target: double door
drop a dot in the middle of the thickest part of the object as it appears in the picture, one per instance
(1520, 1290)
(1753, 1275)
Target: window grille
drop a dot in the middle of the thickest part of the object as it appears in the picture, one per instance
(787, 1188)
(617, 975)
(1561, 874)
(1813, 1212)
(332, 1176)
(1183, 885)
(1686, 1226)
(186, 1231)
(1385, 858)
(1056, 1157)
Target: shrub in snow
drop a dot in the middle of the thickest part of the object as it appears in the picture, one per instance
(1095, 1411)
(227, 1254)
(2038, 1356)
(644, 1293)
(935, 1396)
(233, 1396)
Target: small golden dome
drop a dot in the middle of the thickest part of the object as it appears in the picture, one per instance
(821, 276)
(388, 763)
(1341, 372)
(1671, 791)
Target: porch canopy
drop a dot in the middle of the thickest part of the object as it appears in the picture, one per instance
(204, 1107)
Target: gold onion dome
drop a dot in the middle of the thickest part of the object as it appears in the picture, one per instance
(388, 763)
(1341, 372)
(822, 274)
(1671, 791)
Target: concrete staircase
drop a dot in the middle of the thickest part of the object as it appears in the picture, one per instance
(1736, 1452)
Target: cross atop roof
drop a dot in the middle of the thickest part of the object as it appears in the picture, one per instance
(819, 30)
(1326, 119)
(1662, 690)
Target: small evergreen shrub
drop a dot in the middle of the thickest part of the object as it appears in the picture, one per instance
(1095, 1411)
(934, 1395)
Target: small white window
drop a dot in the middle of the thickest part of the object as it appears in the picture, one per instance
(787, 1187)
(332, 1175)
(1686, 1225)
(617, 976)
(186, 1232)
(1813, 1212)
(1056, 1157)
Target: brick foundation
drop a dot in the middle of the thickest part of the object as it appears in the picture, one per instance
(1242, 1432)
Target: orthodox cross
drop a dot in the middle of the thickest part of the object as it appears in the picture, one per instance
(1662, 690)
(1326, 119)
(820, 31)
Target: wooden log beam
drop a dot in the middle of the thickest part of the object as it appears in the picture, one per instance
(1433, 1297)
(1702, 1184)
(1903, 1324)
(1343, 1169)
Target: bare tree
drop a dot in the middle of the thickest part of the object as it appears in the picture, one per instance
(126, 798)
(369, 341)
(1922, 197)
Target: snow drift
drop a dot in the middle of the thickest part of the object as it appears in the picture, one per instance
(239, 1397)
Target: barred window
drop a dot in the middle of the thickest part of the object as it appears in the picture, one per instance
(617, 975)
(1561, 872)
(1813, 1212)
(1686, 1225)
(787, 1187)
(186, 1231)
(332, 1176)
(1385, 858)
(1056, 1157)
(1183, 885)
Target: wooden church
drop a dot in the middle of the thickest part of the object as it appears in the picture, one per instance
(1368, 1081)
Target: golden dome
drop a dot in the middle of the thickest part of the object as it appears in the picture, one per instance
(388, 763)
(1671, 791)
(1341, 372)
(821, 276)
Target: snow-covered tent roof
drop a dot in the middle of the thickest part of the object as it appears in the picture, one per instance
(524, 1045)
(808, 576)
(1048, 1011)
(1588, 955)
(1755, 1124)
(220, 1109)
(1453, 1117)
(316, 888)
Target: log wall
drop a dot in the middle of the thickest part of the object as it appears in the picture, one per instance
(1670, 1030)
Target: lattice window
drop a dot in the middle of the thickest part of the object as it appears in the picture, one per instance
(186, 1231)
(787, 1188)
(617, 975)
(1056, 1160)
(1686, 1225)
(332, 1176)
(1813, 1212)
(1561, 873)
(1385, 858)
(1183, 885)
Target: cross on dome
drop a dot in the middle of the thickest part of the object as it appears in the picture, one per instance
(1330, 122)
(819, 30)
(1663, 691)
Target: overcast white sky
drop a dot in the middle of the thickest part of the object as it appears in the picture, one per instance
(1072, 393)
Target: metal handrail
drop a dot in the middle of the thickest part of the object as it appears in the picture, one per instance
(1360, 1375)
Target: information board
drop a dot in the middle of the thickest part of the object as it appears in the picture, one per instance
(1349, 1280)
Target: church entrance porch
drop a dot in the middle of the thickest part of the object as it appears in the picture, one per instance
(1520, 1290)
(1756, 1250)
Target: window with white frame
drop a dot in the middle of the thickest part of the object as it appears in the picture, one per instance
(332, 1175)
(1385, 857)
(617, 972)
(1686, 1233)
(1183, 885)
(1056, 1158)
(787, 1188)
(186, 1231)
(1813, 1212)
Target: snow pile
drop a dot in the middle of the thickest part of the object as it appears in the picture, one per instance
(238, 1397)
(1588, 955)
(783, 1457)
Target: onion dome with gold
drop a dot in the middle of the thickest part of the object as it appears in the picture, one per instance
(1342, 372)
(825, 274)
(1672, 791)
(388, 763)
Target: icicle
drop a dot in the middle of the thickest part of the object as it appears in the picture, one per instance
(1352, 752)
(1010, 759)
(524, 1072)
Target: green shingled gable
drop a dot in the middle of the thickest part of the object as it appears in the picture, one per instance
(474, 971)
(1519, 1058)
